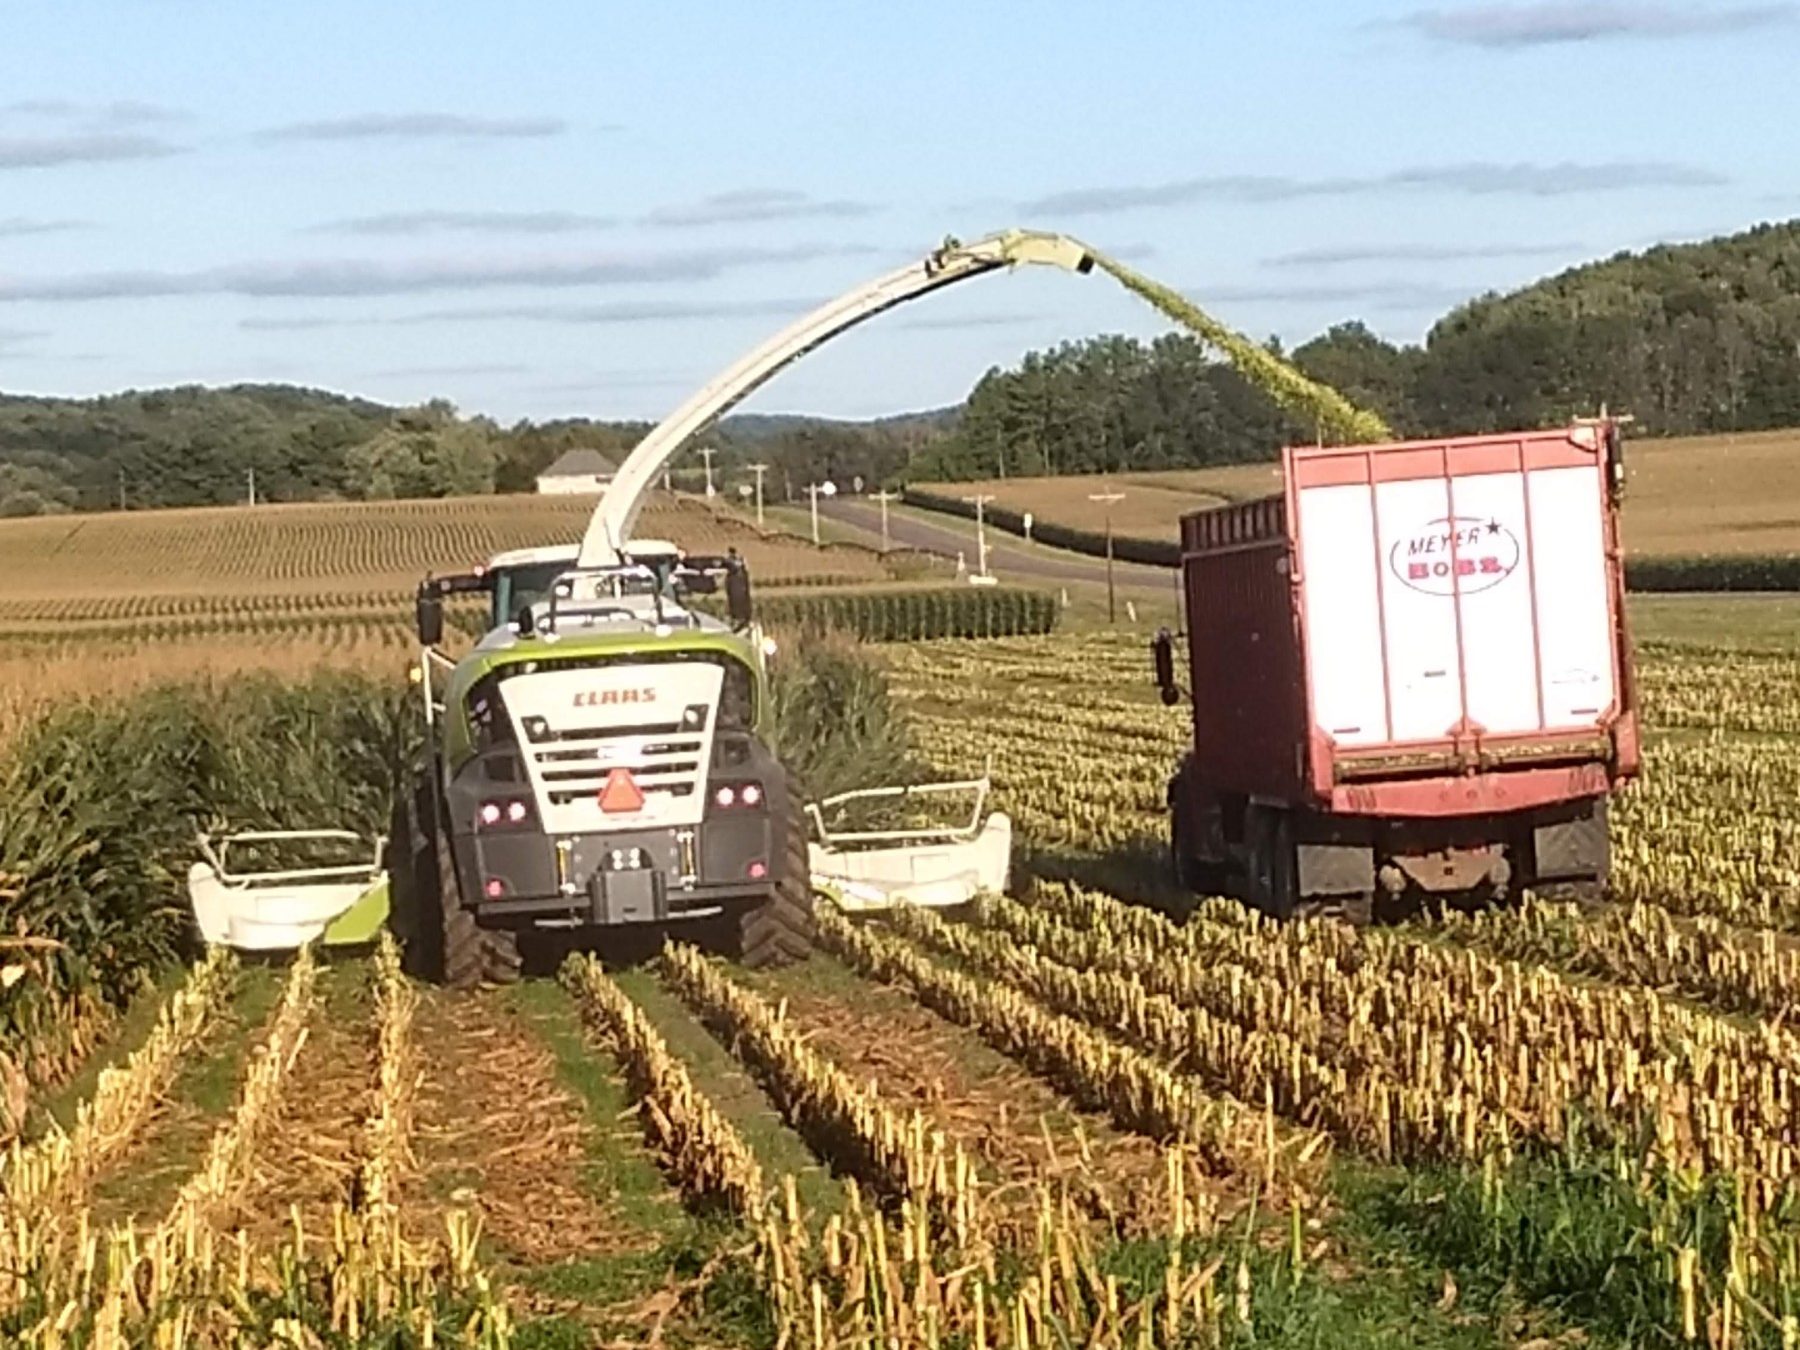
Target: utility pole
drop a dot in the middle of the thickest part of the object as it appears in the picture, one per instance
(706, 453)
(813, 490)
(884, 497)
(121, 487)
(759, 470)
(981, 500)
(1108, 498)
(251, 474)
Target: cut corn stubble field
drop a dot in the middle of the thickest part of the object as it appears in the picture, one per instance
(1685, 496)
(1048, 1086)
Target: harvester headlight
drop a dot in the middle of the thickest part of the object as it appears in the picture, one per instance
(725, 796)
(752, 794)
(768, 646)
(537, 729)
(694, 715)
(490, 813)
(517, 811)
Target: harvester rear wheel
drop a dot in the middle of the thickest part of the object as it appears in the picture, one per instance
(1274, 880)
(472, 954)
(779, 931)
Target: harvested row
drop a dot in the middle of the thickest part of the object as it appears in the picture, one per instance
(1137, 1091)
(1460, 1052)
(55, 1172)
(1744, 970)
(903, 1157)
(175, 1263)
(707, 1158)
(1023, 1132)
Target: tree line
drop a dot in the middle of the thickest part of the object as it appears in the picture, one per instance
(1687, 338)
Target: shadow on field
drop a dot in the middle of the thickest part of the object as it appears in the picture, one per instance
(621, 947)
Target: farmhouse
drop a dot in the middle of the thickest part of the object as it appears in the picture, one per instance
(577, 471)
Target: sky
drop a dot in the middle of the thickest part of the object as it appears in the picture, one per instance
(588, 208)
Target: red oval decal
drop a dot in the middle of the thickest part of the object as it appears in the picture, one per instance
(1455, 554)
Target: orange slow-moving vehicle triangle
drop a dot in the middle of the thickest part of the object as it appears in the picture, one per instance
(621, 792)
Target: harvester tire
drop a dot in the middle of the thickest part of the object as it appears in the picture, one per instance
(779, 931)
(473, 955)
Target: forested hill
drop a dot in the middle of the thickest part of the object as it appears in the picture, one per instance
(1687, 338)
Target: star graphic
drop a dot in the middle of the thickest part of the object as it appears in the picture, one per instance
(1493, 527)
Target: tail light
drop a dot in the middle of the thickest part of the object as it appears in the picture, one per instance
(738, 796)
(505, 813)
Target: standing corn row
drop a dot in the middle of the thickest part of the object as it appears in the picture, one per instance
(901, 1155)
(700, 1149)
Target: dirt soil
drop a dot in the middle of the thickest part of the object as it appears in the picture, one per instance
(495, 1133)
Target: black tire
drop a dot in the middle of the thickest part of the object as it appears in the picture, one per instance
(1274, 880)
(412, 886)
(779, 931)
(444, 944)
(1182, 862)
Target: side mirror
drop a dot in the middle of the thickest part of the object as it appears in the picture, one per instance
(737, 597)
(524, 621)
(1162, 658)
(428, 615)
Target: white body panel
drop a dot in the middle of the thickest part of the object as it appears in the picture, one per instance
(936, 875)
(616, 717)
(266, 918)
(1478, 602)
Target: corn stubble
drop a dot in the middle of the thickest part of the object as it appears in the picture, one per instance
(182, 1282)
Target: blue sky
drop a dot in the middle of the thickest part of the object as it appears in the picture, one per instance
(555, 208)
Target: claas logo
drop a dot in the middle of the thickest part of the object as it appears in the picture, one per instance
(1455, 555)
(601, 698)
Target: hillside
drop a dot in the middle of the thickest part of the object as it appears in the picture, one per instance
(1685, 497)
(1689, 338)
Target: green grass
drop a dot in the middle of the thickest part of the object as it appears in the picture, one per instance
(622, 1173)
(737, 1096)
(127, 1035)
(203, 1094)
(1761, 622)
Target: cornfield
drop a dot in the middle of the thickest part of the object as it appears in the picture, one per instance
(1090, 1112)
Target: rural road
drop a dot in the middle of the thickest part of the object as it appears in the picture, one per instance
(951, 535)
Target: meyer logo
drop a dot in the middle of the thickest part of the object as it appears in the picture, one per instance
(1484, 555)
(601, 698)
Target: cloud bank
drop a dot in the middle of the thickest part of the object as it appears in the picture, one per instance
(751, 205)
(339, 278)
(1334, 256)
(417, 126)
(44, 152)
(1542, 25)
(1471, 179)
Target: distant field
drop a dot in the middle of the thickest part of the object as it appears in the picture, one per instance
(101, 603)
(323, 555)
(1694, 495)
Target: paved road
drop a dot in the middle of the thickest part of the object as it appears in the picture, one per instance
(950, 535)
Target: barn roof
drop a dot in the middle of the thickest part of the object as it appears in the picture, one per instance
(579, 464)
